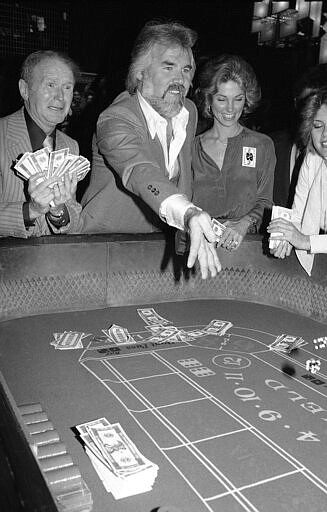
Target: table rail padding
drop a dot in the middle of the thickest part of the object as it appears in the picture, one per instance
(74, 273)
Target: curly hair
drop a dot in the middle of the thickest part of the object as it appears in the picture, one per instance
(311, 105)
(33, 59)
(222, 69)
(155, 32)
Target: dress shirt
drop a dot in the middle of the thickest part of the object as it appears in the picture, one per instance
(36, 134)
(157, 125)
(40, 139)
(172, 209)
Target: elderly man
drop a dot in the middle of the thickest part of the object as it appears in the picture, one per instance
(46, 86)
(141, 172)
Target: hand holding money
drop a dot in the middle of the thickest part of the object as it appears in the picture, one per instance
(226, 236)
(41, 195)
(278, 214)
(281, 228)
(282, 250)
(54, 164)
(66, 189)
(202, 237)
(52, 177)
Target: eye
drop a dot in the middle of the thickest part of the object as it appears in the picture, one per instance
(317, 125)
(50, 84)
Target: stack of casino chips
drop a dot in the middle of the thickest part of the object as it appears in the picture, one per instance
(64, 480)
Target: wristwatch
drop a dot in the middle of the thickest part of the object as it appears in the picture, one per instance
(57, 212)
(252, 229)
(58, 216)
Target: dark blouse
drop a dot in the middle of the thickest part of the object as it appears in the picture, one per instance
(244, 185)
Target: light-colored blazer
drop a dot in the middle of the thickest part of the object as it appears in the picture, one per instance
(309, 205)
(14, 141)
(129, 180)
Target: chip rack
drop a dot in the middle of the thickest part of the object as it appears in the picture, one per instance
(53, 482)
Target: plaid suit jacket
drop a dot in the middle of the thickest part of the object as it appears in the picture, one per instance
(14, 141)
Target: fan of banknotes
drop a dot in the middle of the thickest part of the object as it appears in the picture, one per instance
(52, 164)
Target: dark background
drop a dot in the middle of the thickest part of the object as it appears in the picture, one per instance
(100, 34)
(106, 31)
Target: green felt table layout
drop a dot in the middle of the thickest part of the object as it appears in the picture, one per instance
(232, 425)
(240, 436)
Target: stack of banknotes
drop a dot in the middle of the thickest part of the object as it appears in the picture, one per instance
(283, 213)
(124, 471)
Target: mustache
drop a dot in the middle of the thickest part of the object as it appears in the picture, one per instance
(174, 87)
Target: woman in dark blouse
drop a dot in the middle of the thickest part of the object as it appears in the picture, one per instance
(233, 166)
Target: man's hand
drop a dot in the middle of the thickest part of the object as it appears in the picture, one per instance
(287, 231)
(40, 195)
(203, 245)
(65, 190)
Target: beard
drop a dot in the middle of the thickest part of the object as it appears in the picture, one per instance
(171, 103)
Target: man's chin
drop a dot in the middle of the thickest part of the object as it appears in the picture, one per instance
(167, 108)
(56, 114)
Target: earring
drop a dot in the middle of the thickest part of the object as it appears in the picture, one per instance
(209, 110)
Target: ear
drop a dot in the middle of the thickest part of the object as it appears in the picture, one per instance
(23, 89)
(140, 75)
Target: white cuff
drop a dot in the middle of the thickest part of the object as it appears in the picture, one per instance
(172, 210)
(318, 244)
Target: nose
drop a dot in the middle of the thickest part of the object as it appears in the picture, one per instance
(230, 106)
(59, 94)
(179, 76)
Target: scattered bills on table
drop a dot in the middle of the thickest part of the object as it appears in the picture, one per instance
(217, 327)
(151, 317)
(68, 340)
(285, 343)
(118, 335)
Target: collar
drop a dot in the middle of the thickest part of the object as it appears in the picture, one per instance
(154, 119)
(36, 134)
